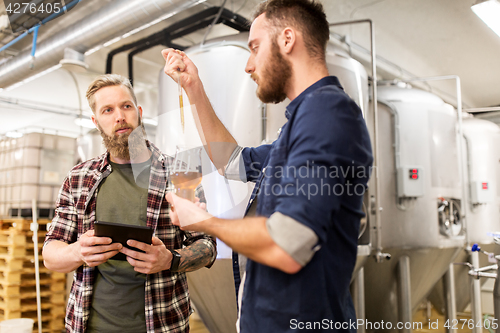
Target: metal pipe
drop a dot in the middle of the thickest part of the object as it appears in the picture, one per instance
(405, 309)
(496, 297)
(477, 275)
(379, 256)
(396, 146)
(487, 268)
(33, 48)
(212, 25)
(359, 298)
(476, 293)
(394, 70)
(107, 23)
(35, 28)
(14, 41)
(40, 107)
(487, 109)
(450, 296)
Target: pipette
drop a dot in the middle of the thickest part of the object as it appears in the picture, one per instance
(181, 104)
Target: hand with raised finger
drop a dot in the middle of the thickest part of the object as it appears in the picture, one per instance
(94, 250)
(155, 259)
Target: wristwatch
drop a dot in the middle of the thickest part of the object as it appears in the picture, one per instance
(176, 260)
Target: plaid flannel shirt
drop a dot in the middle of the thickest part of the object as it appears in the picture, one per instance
(167, 298)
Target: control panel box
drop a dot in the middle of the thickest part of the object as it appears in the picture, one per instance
(410, 181)
(481, 192)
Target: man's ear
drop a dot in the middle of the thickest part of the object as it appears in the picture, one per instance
(288, 40)
(92, 117)
(139, 108)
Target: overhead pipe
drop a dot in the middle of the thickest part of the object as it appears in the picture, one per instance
(485, 109)
(107, 23)
(229, 18)
(177, 30)
(37, 26)
(146, 46)
(33, 48)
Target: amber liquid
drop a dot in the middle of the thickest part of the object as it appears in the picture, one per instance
(181, 104)
(185, 183)
(182, 112)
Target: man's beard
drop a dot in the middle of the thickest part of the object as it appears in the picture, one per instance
(275, 77)
(128, 146)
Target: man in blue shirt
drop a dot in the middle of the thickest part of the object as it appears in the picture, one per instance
(301, 228)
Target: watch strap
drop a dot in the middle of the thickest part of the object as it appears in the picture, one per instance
(176, 260)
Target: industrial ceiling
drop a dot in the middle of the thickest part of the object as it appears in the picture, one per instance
(413, 39)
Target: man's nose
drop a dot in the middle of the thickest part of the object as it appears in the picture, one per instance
(249, 68)
(119, 115)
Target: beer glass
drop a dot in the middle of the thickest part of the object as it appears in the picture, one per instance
(185, 171)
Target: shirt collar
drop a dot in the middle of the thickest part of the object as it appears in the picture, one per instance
(326, 81)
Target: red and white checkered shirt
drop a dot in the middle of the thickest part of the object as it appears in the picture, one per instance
(167, 298)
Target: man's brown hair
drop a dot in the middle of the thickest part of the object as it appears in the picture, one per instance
(108, 80)
(308, 16)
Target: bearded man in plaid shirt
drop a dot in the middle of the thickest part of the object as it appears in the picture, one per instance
(148, 292)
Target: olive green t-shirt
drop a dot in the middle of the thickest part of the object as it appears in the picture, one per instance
(118, 299)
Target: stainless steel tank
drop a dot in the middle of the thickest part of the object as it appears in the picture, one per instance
(481, 138)
(421, 198)
(221, 64)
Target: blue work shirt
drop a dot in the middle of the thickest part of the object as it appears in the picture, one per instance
(316, 172)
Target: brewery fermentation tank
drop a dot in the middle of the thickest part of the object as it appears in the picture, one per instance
(421, 197)
(221, 63)
(481, 139)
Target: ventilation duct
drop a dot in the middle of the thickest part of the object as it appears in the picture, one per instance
(107, 23)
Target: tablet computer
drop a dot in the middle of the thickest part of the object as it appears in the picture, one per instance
(121, 233)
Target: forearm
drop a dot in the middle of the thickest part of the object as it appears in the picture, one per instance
(197, 255)
(249, 236)
(214, 135)
(61, 257)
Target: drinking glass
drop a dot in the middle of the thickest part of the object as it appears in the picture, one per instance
(185, 171)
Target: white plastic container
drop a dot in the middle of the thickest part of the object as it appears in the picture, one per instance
(21, 325)
(33, 140)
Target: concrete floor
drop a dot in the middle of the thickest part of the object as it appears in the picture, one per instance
(435, 325)
(197, 325)
(438, 321)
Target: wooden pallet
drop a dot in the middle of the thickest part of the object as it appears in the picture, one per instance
(50, 323)
(10, 263)
(21, 224)
(17, 277)
(12, 238)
